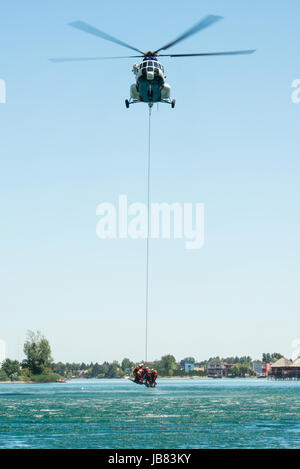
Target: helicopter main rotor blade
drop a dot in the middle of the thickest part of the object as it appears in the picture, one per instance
(205, 54)
(87, 28)
(84, 59)
(204, 23)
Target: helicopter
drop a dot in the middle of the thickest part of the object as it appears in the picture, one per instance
(150, 86)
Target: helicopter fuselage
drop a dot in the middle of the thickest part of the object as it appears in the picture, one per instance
(150, 86)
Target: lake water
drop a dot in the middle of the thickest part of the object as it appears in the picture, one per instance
(189, 413)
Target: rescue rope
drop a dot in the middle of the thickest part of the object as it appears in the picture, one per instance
(148, 233)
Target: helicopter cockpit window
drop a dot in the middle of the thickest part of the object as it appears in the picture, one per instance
(151, 65)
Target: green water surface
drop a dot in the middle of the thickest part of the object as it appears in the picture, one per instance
(183, 413)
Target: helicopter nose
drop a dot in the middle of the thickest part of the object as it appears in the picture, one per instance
(150, 75)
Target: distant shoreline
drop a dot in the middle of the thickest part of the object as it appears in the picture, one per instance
(127, 377)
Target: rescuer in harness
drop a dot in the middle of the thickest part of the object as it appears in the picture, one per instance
(153, 376)
(135, 374)
(150, 378)
(138, 375)
(147, 376)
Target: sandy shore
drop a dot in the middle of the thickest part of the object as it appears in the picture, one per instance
(16, 382)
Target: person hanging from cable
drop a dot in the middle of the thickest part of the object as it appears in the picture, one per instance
(135, 374)
(147, 377)
(138, 374)
(153, 377)
(150, 380)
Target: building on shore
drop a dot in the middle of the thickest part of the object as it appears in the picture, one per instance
(261, 369)
(216, 369)
(198, 366)
(285, 369)
(189, 366)
(266, 369)
(257, 368)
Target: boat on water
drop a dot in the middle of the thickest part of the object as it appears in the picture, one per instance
(61, 381)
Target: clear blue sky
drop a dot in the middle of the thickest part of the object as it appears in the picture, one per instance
(68, 143)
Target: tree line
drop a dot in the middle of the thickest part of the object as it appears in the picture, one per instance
(38, 365)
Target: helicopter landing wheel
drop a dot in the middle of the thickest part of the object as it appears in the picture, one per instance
(127, 103)
(173, 103)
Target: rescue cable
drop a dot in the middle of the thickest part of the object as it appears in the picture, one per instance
(148, 234)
